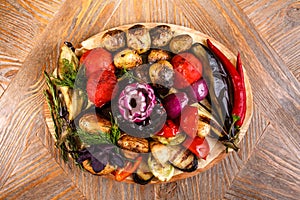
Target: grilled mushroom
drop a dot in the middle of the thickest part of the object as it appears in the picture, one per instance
(161, 35)
(161, 73)
(138, 38)
(114, 40)
(181, 43)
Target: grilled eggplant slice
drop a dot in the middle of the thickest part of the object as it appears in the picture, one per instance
(183, 159)
(143, 175)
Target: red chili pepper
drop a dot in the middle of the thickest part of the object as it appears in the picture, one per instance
(239, 67)
(239, 107)
(122, 173)
(170, 129)
(198, 146)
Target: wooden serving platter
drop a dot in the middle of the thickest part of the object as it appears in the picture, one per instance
(217, 153)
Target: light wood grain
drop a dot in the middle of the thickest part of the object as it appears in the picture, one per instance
(279, 23)
(266, 34)
(21, 22)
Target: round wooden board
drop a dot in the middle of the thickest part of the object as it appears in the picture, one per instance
(218, 150)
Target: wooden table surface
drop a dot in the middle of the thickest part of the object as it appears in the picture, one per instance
(266, 32)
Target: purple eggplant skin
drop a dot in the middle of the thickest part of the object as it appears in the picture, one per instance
(174, 103)
(220, 87)
(137, 179)
(183, 159)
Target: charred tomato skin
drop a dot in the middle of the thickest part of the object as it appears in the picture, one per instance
(188, 69)
(100, 89)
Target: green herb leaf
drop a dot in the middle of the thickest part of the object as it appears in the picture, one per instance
(93, 138)
(114, 131)
(68, 77)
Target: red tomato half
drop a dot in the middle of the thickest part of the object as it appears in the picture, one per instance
(189, 120)
(188, 69)
(96, 61)
(197, 145)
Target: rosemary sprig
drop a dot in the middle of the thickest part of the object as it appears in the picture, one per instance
(92, 139)
(114, 131)
(53, 104)
(68, 77)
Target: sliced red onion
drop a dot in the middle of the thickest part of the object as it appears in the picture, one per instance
(136, 102)
(198, 90)
(174, 103)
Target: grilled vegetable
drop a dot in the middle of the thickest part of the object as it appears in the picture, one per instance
(188, 69)
(183, 159)
(189, 120)
(106, 170)
(136, 102)
(175, 140)
(141, 72)
(174, 103)
(164, 172)
(100, 88)
(114, 40)
(199, 146)
(239, 109)
(127, 59)
(160, 152)
(224, 87)
(97, 60)
(100, 159)
(162, 74)
(207, 124)
(180, 43)
(66, 76)
(198, 91)
(67, 64)
(169, 130)
(157, 55)
(161, 35)
(92, 123)
(122, 173)
(220, 89)
(138, 38)
(135, 144)
(143, 175)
